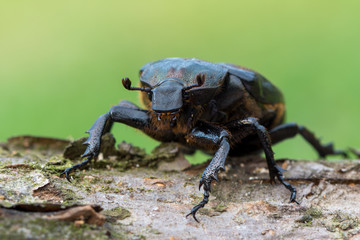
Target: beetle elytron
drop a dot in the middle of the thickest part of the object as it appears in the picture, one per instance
(217, 107)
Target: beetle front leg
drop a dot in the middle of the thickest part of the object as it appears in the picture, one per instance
(251, 125)
(209, 136)
(125, 112)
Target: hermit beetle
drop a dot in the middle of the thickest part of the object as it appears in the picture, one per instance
(216, 107)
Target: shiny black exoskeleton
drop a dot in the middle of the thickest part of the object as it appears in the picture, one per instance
(216, 107)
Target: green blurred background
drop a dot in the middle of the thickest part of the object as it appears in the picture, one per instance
(61, 62)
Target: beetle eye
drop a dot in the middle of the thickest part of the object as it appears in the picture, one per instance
(150, 95)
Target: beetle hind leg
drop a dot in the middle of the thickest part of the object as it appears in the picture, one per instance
(289, 130)
(249, 126)
(274, 169)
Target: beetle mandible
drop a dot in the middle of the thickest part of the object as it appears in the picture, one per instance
(216, 107)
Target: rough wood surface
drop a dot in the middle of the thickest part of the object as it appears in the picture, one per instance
(148, 203)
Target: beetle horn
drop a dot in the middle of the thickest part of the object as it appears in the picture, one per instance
(200, 79)
(127, 84)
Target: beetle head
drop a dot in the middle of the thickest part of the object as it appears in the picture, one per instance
(167, 96)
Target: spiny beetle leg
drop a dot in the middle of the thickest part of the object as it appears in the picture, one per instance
(264, 137)
(76, 166)
(210, 174)
(93, 144)
(125, 112)
(273, 168)
(206, 180)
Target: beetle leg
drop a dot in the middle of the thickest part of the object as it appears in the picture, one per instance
(289, 130)
(253, 126)
(74, 167)
(208, 136)
(125, 112)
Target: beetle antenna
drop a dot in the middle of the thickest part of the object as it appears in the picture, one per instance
(200, 79)
(127, 84)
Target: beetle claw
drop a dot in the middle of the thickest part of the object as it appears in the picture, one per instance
(215, 177)
(74, 167)
(66, 173)
(87, 153)
(193, 214)
(343, 153)
(293, 198)
(292, 189)
(200, 184)
(206, 183)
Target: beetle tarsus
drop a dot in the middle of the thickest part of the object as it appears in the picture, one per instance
(205, 181)
(328, 149)
(289, 130)
(280, 177)
(274, 173)
(193, 214)
(67, 171)
(89, 154)
(201, 204)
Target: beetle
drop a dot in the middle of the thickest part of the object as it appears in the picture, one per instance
(220, 108)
